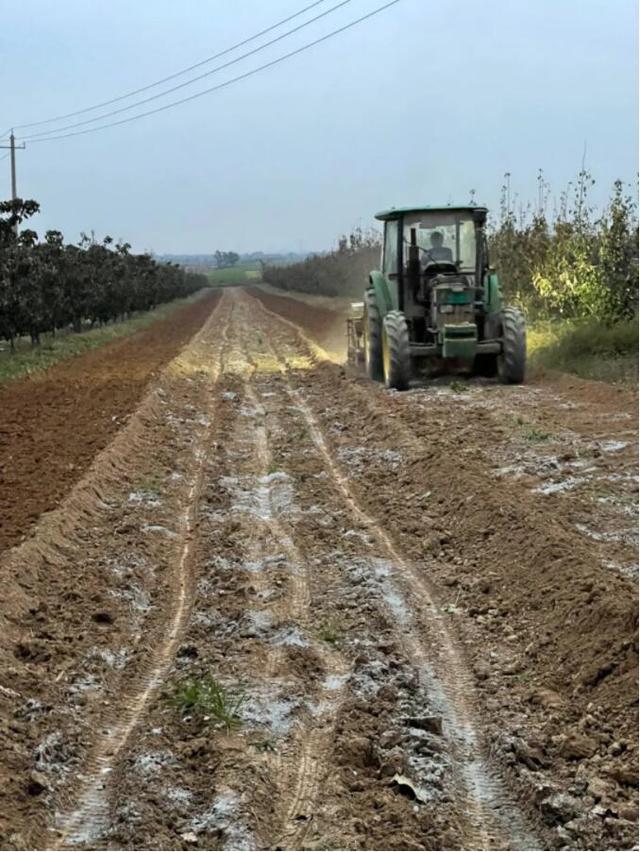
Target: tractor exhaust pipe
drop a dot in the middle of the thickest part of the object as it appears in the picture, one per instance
(413, 265)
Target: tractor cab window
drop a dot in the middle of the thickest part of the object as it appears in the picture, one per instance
(390, 252)
(442, 237)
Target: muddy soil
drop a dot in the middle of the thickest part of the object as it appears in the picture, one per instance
(53, 423)
(422, 627)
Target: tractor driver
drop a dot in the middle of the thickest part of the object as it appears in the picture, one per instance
(438, 251)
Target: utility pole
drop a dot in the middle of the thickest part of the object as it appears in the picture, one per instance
(12, 148)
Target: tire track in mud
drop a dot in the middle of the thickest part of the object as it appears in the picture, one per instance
(89, 818)
(262, 535)
(301, 766)
(538, 620)
(492, 819)
(297, 772)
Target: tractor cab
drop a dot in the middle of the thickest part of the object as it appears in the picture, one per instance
(436, 298)
(437, 237)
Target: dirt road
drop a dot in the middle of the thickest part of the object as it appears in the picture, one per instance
(422, 602)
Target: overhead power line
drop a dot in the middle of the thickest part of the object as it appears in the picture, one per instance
(171, 76)
(230, 82)
(193, 80)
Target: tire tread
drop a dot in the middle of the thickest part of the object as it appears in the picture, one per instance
(397, 334)
(512, 362)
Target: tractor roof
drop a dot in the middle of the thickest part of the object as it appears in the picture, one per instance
(396, 212)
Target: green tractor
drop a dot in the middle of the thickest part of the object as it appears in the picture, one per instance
(436, 302)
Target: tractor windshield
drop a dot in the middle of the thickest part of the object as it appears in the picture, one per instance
(443, 236)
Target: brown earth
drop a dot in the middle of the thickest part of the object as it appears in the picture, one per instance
(53, 423)
(423, 604)
(516, 553)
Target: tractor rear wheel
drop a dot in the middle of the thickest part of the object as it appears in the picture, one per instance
(396, 356)
(372, 331)
(512, 359)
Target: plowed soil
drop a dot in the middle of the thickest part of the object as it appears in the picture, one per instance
(417, 612)
(53, 423)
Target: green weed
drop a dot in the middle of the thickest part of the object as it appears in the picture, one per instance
(207, 698)
(457, 386)
(151, 485)
(527, 429)
(589, 349)
(265, 746)
(329, 633)
(535, 436)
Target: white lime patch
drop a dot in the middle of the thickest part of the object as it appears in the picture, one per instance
(265, 497)
(612, 446)
(563, 485)
(144, 498)
(151, 763)
(270, 707)
(290, 636)
(223, 818)
(358, 458)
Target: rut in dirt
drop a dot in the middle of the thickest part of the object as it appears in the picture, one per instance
(292, 554)
(530, 571)
(88, 820)
(271, 553)
(493, 819)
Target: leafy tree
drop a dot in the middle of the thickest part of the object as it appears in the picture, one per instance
(225, 259)
(618, 254)
(575, 265)
(47, 285)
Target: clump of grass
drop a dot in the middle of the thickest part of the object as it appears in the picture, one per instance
(529, 432)
(590, 349)
(535, 436)
(329, 633)
(267, 745)
(457, 386)
(150, 485)
(206, 698)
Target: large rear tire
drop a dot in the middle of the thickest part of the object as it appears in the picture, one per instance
(372, 329)
(396, 356)
(513, 358)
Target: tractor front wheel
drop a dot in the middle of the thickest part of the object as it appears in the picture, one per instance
(372, 331)
(512, 359)
(396, 356)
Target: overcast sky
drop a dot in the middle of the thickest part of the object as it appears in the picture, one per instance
(416, 105)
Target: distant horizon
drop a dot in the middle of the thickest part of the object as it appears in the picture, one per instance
(528, 202)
